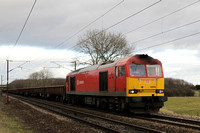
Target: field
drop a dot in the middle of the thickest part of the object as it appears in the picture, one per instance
(182, 105)
(10, 124)
(197, 93)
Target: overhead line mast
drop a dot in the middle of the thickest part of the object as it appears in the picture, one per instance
(9, 70)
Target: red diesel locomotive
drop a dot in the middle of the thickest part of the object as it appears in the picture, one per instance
(135, 83)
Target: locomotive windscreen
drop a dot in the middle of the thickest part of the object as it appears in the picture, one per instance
(138, 70)
(154, 71)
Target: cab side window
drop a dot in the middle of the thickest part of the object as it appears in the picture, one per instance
(122, 71)
(116, 71)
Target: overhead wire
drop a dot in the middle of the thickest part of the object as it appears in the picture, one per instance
(24, 25)
(136, 28)
(108, 11)
(22, 29)
(19, 66)
(156, 45)
(83, 28)
(143, 39)
(132, 15)
(180, 9)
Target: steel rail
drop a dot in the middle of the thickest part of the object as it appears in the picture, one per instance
(62, 111)
(171, 121)
(182, 120)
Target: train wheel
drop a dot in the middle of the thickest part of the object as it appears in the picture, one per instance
(104, 104)
(97, 102)
(155, 111)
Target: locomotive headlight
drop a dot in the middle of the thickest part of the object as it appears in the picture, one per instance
(132, 91)
(159, 91)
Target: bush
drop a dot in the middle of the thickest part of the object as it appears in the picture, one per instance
(178, 87)
(198, 87)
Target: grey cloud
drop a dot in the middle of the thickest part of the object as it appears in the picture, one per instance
(52, 23)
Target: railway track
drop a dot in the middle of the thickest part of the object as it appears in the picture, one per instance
(193, 124)
(187, 121)
(99, 122)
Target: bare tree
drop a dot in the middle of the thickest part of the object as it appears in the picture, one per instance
(102, 46)
(40, 78)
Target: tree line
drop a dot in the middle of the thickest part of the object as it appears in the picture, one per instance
(37, 79)
(173, 87)
(178, 87)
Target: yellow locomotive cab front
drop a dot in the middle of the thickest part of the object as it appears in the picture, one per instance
(145, 80)
(144, 87)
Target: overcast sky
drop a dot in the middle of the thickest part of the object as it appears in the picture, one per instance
(169, 31)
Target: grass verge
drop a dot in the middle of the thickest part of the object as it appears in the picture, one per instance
(182, 105)
(197, 93)
(10, 124)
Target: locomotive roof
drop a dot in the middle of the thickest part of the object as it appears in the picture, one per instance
(118, 62)
(95, 67)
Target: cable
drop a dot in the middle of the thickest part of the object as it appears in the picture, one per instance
(118, 22)
(167, 31)
(89, 24)
(124, 19)
(133, 15)
(85, 27)
(25, 23)
(23, 26)
(19, 66)
(60, 66)
(167, 42)
(163, 16)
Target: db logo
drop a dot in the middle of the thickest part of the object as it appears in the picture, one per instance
(80, 82)
(147, 81)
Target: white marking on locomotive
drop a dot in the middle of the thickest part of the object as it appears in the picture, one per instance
(80, 82)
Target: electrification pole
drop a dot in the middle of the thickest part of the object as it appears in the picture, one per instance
(75, 65)
(1, 79)
(20, 66)
(7, 81)
(1, 85)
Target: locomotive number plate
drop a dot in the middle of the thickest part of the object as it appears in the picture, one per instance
(147, 81)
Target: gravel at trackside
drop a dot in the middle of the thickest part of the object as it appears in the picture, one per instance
(41, 121)
(155, 125)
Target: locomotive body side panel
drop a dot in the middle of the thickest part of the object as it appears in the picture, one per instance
(89, 81)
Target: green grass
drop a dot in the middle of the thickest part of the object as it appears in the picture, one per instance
(183, 105)
(197, 93)
(11, 124)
